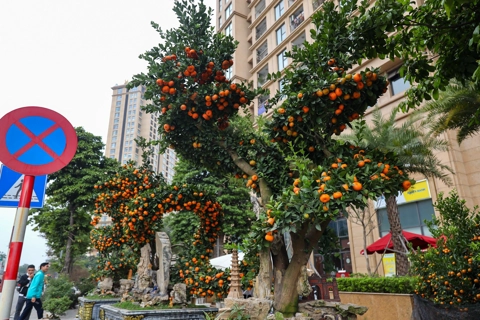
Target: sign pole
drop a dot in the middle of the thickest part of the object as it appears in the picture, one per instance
(15, 248)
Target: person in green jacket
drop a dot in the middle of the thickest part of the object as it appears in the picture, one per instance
(34, 293)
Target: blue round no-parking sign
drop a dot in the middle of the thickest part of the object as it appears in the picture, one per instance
(36, 141)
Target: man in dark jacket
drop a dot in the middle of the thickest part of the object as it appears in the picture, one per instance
(23, 285)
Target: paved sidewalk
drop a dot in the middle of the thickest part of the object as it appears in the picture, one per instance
(70, 315)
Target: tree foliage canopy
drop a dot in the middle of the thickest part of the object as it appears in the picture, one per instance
(65, 218)
(457, 108)
(437, 41)
(303, 176)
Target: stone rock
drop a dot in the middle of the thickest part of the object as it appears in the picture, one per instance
(319, 310)
(301, 316)
(179, 293)
(164, 254)
(256, 308)
(143, 279)
(126, 285)
(106, 284)
(303, 286)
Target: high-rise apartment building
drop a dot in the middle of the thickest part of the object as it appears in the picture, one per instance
(266, 29)
(128, 122)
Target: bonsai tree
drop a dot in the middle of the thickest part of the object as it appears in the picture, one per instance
(303, 178)
(136, 199)
(449, 273)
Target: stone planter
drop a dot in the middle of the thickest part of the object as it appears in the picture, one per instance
(381, 306)
(112, 313)
(89, 309)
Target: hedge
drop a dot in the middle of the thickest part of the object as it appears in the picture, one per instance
(378, 284)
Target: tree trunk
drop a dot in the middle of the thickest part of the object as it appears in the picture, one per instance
(68, 264)
(263, 282)
(303, 242)
(369, 270)
(401, 259)
(286, 295)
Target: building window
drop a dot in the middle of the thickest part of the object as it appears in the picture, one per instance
(282, 60)
(115, 126)
(260, 29)
(279, 10)
(229, 30)
(220, 5)
(299, 41)
(262, 51)
(281, 33)
(112, 151)
(262, 76)
(259, 8)
(117, 115)
(229, 73)
(117, 109)
(118, 103)
(119, 91)
(412, 217)
(296, 18)
(119, 98)
(113, 145)
(342, 261)
(317, 3)
(228, 11)
(219, 21)
(397, 83)
(262, 103)
(281, 84)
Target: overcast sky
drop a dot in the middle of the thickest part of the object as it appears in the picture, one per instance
(65, 56)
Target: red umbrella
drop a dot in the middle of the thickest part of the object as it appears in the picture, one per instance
(417, 240)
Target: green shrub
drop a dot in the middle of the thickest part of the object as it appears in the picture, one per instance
(378, 284)
(59, 296)
(449, 274)
(57, 306)
(86, 285)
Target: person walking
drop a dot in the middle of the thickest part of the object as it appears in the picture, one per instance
(34, 293)
(24, 283)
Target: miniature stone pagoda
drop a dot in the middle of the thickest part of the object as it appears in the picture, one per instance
(235, 285)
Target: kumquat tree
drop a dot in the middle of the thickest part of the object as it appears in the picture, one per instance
(303, 178)
(136, 199)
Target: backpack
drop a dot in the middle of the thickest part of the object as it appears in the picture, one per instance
(22, 289)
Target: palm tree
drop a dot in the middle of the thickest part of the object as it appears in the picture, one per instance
(415, 150)
(458, 107)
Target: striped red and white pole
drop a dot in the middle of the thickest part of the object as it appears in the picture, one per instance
(15, 248)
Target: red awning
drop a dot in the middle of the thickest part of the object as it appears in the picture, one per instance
(417, 240)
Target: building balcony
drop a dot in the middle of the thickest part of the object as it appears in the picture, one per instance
(260, 30)
(296, 19)
(259, 8)
(317, 3)
(261, 54)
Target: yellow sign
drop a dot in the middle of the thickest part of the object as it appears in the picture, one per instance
(389, 265)
(418, 191)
